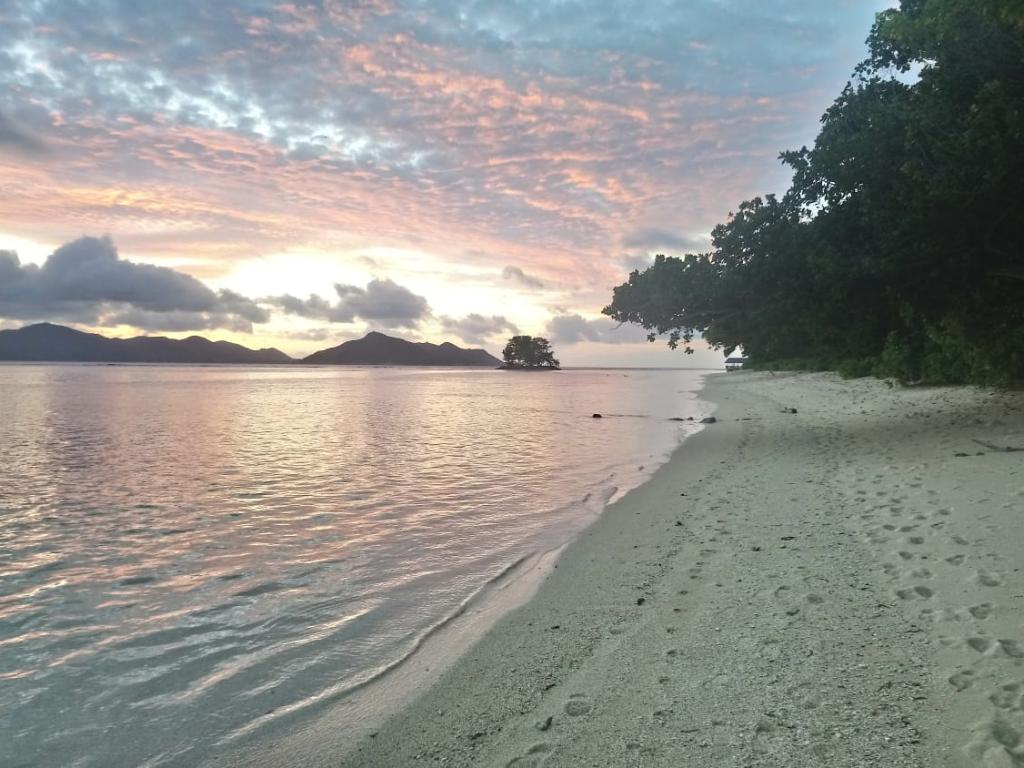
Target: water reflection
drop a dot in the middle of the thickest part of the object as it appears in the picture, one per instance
(186, 552)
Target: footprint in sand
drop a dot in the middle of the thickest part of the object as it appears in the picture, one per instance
(995, 745)
(578, 705)
(1012, 648)
(767, 735)
(940, 615)
(981, 611)
(915, 593)
(979, 644)
(1007, 697)
(988, 578)
(990, 647)
(535, 757)
(962, 680)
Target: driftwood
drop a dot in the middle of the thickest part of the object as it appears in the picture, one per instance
(1000, 448)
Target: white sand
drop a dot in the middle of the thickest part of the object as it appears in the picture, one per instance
(836, 588)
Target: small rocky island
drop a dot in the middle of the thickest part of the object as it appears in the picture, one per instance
(529, 353)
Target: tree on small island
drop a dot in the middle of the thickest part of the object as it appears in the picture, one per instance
(530, 353)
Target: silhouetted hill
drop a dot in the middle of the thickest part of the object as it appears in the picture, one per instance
(378, 349)
(57, 343)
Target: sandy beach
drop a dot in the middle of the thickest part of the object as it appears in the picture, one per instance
(840, 586)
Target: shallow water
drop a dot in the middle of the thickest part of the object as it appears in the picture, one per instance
(189, 553)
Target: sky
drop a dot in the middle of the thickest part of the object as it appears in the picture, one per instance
(294, 174)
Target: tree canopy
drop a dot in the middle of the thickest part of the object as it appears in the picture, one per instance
(529, 352)
(897, 249)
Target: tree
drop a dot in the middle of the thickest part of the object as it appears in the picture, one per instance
(898, 249)
(529, 352)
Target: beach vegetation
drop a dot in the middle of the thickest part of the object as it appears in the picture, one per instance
(529, 352)
(897, 250)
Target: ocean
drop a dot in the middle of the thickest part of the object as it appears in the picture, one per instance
(192, 558)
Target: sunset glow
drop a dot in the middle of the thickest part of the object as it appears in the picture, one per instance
(507, 163)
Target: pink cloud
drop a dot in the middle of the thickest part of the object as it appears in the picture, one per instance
(364, 124)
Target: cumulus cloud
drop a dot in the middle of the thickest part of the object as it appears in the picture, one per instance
(517, 275)
(573, 329)
(384, 302)
(87, 281)
(478, 329)
(314, 307)
(539, 129)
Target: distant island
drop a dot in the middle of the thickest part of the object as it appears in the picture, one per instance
(46, 342)
(378, 349)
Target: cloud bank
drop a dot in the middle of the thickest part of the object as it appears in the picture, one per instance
(663, 241)
(478, 329)
(573, 329)
(86, 281)
(383, 302)
(543, 133)
(508, 140)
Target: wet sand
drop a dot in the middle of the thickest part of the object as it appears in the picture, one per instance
(840, 586)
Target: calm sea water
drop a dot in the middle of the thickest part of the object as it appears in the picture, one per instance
(188, 553)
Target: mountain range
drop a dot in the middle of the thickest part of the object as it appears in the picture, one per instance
(46, 342)
(377, 349)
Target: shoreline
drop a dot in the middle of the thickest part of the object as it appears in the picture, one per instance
(838, 587)
(328, 734)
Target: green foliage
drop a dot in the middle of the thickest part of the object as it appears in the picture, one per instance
(897, 251)
(529, 352)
